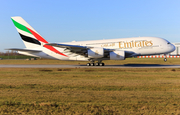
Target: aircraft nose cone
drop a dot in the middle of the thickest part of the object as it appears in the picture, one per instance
(172, 47)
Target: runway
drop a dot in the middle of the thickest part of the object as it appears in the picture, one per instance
(84, 66)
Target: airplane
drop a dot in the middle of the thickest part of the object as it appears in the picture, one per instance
(92, 51)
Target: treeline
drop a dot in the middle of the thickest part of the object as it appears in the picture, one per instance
(9, 53)
(13, 55)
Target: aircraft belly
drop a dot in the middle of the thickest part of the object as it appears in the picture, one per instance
(146, 51)
(79, 58)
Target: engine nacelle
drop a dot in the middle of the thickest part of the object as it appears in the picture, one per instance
(95, 53)
(117, 55)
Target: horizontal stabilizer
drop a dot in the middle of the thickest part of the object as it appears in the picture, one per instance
(24, 50)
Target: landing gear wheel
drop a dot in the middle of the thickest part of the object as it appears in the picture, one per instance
(165, 59)
(97, 64)
(88, 64)
(92, 64)
(101, 64)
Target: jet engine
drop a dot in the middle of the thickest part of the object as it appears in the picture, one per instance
(95, 52)
(117, 55)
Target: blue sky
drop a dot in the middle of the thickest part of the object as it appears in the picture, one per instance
(80, 20)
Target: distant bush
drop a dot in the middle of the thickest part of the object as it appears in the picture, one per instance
(13, 55)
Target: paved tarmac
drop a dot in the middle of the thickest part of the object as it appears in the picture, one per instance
(84, 66)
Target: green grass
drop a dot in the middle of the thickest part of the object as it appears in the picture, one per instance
(89, 91)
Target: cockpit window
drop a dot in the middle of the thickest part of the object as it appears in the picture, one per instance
(168, 43)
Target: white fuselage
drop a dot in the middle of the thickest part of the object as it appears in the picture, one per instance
(137, 45)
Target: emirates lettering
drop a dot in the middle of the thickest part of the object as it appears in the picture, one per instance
(135, 44)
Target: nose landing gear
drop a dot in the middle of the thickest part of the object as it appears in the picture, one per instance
(165, 59)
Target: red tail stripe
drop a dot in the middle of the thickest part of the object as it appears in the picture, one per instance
(38, 36)
(54, 50)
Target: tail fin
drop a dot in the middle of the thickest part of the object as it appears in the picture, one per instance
(30, 37)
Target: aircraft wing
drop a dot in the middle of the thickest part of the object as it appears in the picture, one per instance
(81, 50)
(67, 46)
(24, 50)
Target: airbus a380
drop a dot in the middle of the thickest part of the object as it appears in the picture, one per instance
(92, 51)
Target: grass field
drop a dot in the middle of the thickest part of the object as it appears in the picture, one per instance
(90, 91)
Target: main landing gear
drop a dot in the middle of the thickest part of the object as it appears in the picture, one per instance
(95, 64)
(99, 63)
